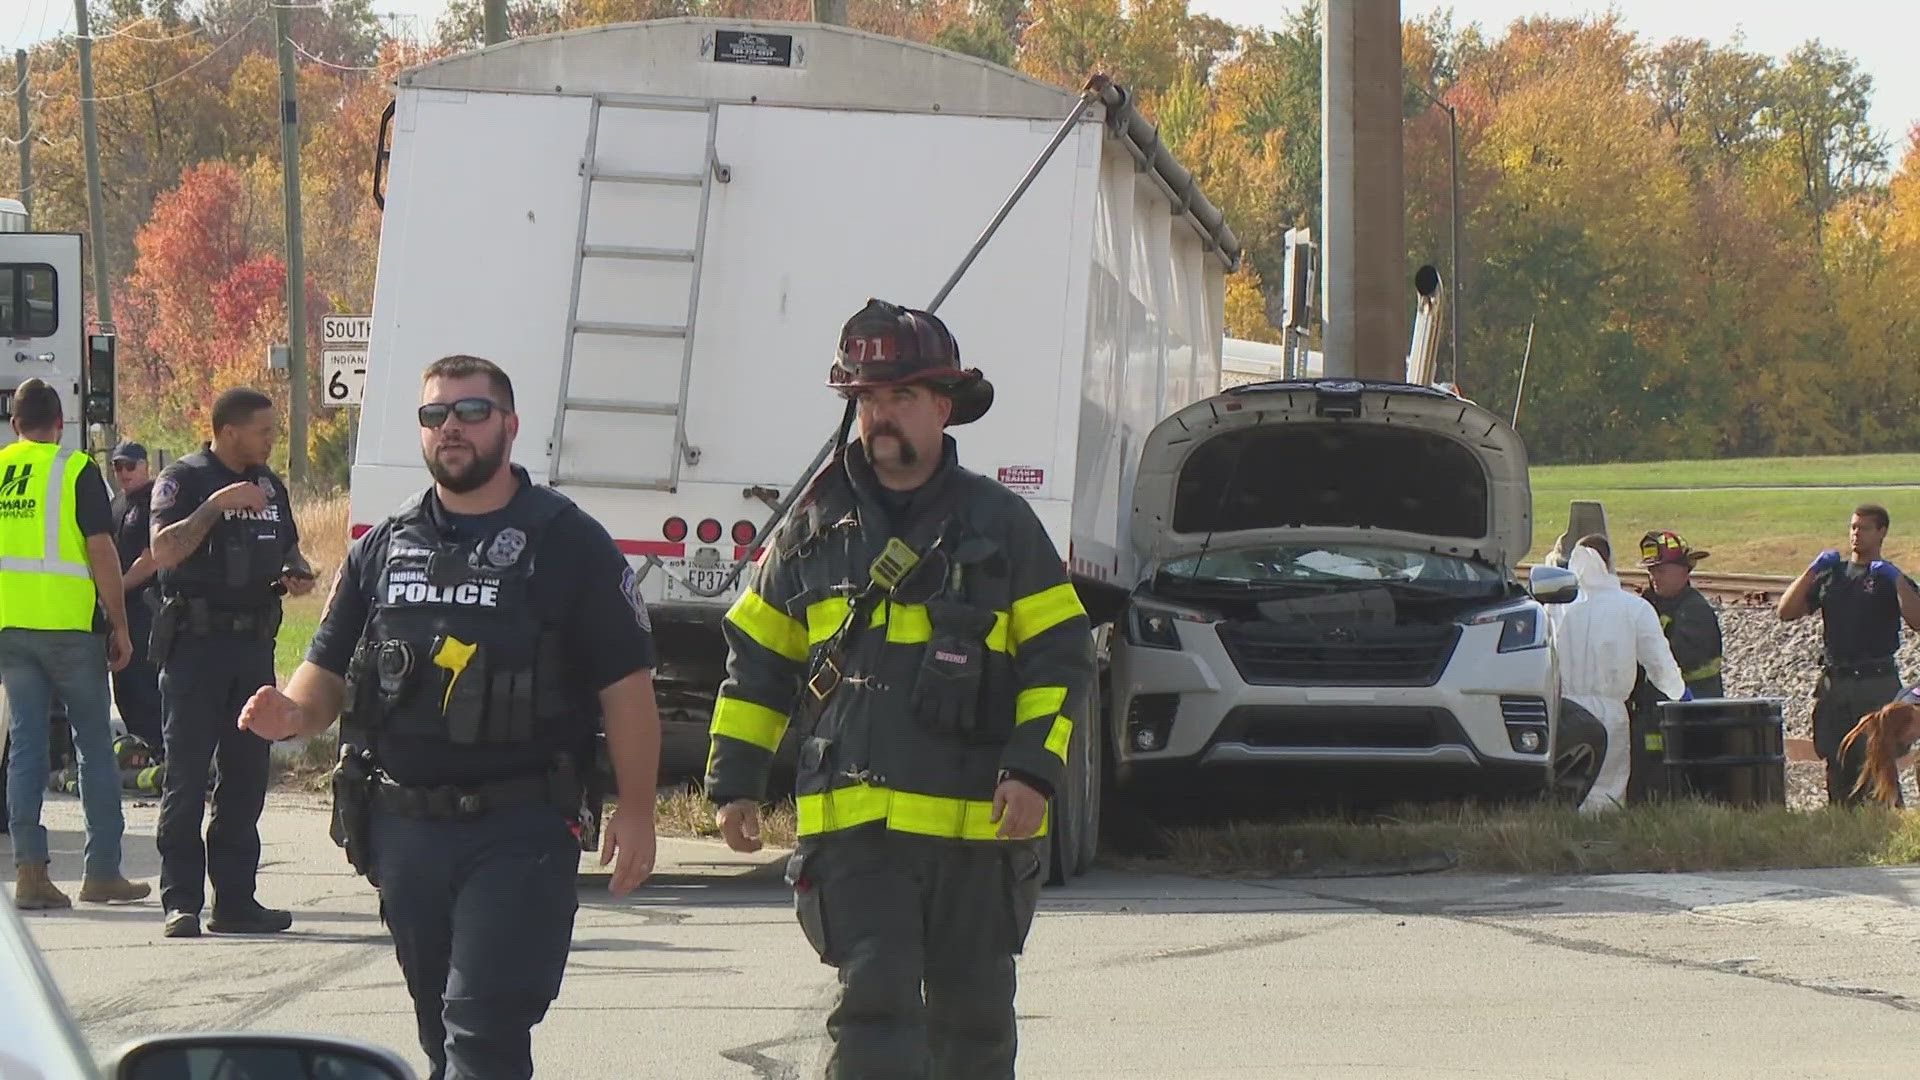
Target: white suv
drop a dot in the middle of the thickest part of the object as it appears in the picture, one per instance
(1328, 603)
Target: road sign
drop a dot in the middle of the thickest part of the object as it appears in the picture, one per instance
(345, 372)
(346, 329)
(344, 361)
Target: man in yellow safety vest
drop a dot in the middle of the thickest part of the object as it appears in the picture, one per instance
(58, 570)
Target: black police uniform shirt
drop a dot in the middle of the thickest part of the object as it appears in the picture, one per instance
(132, 516)
(1860, 614)
(581, 583)
(186, 485)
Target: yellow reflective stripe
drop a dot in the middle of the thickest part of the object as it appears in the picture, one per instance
(1705, 671)
(749, 722)
(907, 624)
(902, 811)
(770, 627)
(997, 638)
(1037, 702)
(1036, 614)
(824, 618)
(1058, 738)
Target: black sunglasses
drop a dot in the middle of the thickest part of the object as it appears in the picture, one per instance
(470, 410)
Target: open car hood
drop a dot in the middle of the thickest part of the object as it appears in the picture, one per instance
(1321, 461)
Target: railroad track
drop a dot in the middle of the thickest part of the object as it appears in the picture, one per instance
(1743, 589)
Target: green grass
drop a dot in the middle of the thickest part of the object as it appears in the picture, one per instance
(1749, 532)
(1672, 837)
(1864, 469)
(297, 625)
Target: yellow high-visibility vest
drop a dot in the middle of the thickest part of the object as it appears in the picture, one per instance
(45, 580)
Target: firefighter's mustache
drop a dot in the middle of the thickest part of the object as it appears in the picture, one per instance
(909, 455)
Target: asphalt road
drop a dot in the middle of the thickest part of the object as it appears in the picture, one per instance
(704, 973)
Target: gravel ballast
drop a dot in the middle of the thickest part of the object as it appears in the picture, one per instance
(1768, 658)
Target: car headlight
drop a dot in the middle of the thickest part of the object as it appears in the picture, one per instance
(1153, 627)
(1521, 628)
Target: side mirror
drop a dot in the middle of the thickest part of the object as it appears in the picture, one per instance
(1553, 585)
(97, 407)
(252, 1056)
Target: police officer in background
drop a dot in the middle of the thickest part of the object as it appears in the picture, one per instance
(922, 620)
(1862, 600)
(225, 542)
(471, 646)
(136, 687)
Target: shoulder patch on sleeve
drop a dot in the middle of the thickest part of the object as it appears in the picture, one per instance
(630, 588)
(326, 608)
(165, 491)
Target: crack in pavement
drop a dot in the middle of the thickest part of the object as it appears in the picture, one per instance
(1595, 948)
(808, 1026)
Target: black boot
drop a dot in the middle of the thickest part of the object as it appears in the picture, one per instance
(252, 919)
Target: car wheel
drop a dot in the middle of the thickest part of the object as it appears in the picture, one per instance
(1578, 747)
(1094, 784)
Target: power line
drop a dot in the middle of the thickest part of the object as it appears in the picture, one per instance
(297, 47)
(131, 36)
(183, 72)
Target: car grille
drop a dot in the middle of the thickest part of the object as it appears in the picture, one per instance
(1270, 655)
(1340, 726)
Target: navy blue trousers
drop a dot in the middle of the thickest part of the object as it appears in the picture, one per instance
(202, 687)
(481, 910)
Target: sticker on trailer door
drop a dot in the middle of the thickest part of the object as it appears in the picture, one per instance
(1024, 479)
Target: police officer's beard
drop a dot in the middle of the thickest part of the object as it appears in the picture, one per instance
(909, 455)
(470, 476)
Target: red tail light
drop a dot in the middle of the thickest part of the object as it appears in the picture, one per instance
(709, 531)
(743, 532)
(675, 530)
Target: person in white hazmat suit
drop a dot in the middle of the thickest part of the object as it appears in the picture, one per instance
(1602, 638)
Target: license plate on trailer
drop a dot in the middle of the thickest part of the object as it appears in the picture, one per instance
(683, 578)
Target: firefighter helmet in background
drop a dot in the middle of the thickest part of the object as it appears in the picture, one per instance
(1660, 546)
(885, 345)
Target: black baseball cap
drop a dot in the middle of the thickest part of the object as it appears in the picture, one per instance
(129, 450)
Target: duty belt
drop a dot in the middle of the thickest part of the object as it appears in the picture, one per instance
(1861, 669)
(464, 801)
(201, 618)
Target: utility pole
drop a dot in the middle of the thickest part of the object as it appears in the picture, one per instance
(296, 257)
(830, 11)
(1364, 249)
(26, 134)
(96, 210)
(494, 14)
(1453, 151)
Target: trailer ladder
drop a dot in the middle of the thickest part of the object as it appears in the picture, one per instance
(660, 151)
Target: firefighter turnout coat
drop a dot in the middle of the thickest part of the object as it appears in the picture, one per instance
(921, 656)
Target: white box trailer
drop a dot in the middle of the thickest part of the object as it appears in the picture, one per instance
(43, 323)
(658, 228)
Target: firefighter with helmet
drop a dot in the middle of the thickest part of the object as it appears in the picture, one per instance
(1691, 623)
(914, 623)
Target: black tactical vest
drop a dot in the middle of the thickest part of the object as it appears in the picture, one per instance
(243, 556)
(454, 647)
(1860, 615)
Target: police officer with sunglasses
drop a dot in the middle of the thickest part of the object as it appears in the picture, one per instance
(473, 646)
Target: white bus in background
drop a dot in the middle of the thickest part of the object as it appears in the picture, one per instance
(13, 216)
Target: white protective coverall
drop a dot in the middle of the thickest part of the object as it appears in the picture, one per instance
(1602, 638)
